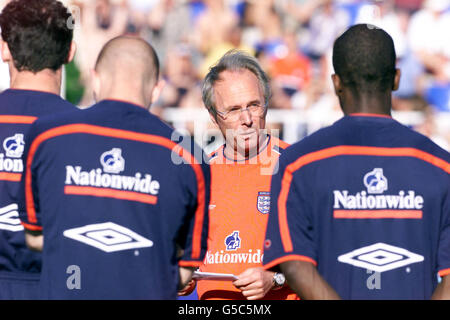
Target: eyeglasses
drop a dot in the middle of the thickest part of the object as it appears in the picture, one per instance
(256, 109)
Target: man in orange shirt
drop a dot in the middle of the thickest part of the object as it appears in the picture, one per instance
(236, 93)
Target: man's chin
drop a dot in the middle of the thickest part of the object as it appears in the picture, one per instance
(248, 145)
(247, 136)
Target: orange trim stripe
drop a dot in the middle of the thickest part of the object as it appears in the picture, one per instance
(7, 176)
(370, 115)
(17, 119)
(127, 135)
(190, 263)
(341, 151)
(110, 193)
(291, 257)
(444, 272)
(283, 145)
(378, 214)
(31, 227)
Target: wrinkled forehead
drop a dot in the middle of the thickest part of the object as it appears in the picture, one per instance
(237, 88)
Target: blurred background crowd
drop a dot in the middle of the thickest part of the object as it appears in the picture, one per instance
(292, 39)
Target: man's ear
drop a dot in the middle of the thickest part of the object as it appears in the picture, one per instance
(397, 77)
(157, 89)
(6, 54)
(337, 84)
(72, 51)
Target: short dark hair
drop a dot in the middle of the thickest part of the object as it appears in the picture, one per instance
(149, 51)
(37, 33)
(364, 58)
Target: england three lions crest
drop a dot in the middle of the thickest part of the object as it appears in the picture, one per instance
(263, 202)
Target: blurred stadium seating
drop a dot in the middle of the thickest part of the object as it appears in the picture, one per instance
(291, 38)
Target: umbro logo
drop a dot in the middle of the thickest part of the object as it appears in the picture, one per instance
(108, 237)
(9, 218)
(380, 257)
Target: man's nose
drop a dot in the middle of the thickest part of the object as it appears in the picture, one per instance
(246, 117)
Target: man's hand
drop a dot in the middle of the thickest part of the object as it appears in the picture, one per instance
(34, 242)
(185, 275)
(442, 291)
(255, 283)
(187, 290)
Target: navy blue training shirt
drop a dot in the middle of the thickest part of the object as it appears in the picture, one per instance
(18, 110)
(366, 200)
(114, 200)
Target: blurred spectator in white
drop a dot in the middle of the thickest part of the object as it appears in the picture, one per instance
(384, 15)
(327, 22)
(142, 7)
(101, 20)
(428, 36)
(167, 24)
(430, 43)
(139, 11)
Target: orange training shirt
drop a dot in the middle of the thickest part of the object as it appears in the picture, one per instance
(238, 216)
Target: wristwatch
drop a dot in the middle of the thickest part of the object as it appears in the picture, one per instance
(278, 280)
